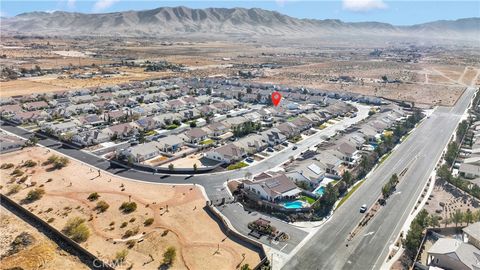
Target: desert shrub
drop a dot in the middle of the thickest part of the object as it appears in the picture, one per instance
(132, 219)
(128, 207)
(131, 243)
(93, 196)
(77, 229)
(148, 222)
(29, 163)
(102, 206)
(17, 173)
(14, 189)
(6, 166)
(35, 194)
(120, 256)
(23, 179)
(57, 162)
(169, 256)
(131, 232)
(124, 224)
(50, 220)
(111, 223)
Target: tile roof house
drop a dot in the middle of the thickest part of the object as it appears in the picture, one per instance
(252, 143)
(36, 105)
(288, 129)
(449, 253)
(226, 154)
(273, 189)
(273, 136)
(194, 135)
(170, 143)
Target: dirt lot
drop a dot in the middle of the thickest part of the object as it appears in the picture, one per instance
(36, 250)
(179, 218)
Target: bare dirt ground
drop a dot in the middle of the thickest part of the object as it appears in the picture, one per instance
(179, 218)
(40, 253)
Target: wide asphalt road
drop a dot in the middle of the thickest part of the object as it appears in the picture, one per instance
(328, 249)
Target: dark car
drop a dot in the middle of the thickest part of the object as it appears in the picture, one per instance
(294, 148)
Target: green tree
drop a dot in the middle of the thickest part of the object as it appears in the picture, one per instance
(434, 221)
(457, 217)
(171, 167)
(195, 168)
(468, 217)
(347, 178)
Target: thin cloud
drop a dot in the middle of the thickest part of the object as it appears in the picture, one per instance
(101, 5)
(71, 4)
(363, 5)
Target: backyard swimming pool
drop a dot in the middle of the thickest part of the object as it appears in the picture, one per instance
(293, 205)
(319, 190)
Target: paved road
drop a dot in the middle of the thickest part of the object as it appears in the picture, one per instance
(214, 183)
(419, 153)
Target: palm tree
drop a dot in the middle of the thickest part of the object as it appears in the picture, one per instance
(468, 217)
(457, 217)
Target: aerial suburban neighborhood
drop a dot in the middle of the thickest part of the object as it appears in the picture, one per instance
(241, 137)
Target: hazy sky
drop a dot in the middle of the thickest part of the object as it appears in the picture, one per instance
(396, 12)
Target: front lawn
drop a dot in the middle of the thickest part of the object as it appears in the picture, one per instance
(172, 126)
(207, 141)
(237, 165)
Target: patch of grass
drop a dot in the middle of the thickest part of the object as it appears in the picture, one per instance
(172, 126)
(322, 126)
(345, 198)
(237, 165)
(307, 199)
(207, 142)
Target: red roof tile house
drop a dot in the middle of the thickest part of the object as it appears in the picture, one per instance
(273, 189)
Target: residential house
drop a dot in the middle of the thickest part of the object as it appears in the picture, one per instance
(194, 135)
(309, 171)
(252, 143)
(302, 123)
(142, 152)
(36, 105)
(228, 153)
(90, 137)
(273, 136)
(469, 171)
(170, 143)
(91, 120)
(288, 129)
(449, 253)
(122, 131)
(273, 189)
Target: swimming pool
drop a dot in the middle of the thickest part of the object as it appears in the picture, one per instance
(293, 205)
(319, 190)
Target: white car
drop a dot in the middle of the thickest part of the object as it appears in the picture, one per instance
(363, 209)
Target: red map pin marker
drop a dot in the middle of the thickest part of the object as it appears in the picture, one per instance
(276, 97)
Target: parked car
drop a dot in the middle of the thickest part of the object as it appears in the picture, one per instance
(363, 209)
(295, 148)
(249, 160)
(285, 143)
(270, 149)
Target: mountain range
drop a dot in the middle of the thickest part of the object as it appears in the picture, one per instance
(174, 21)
